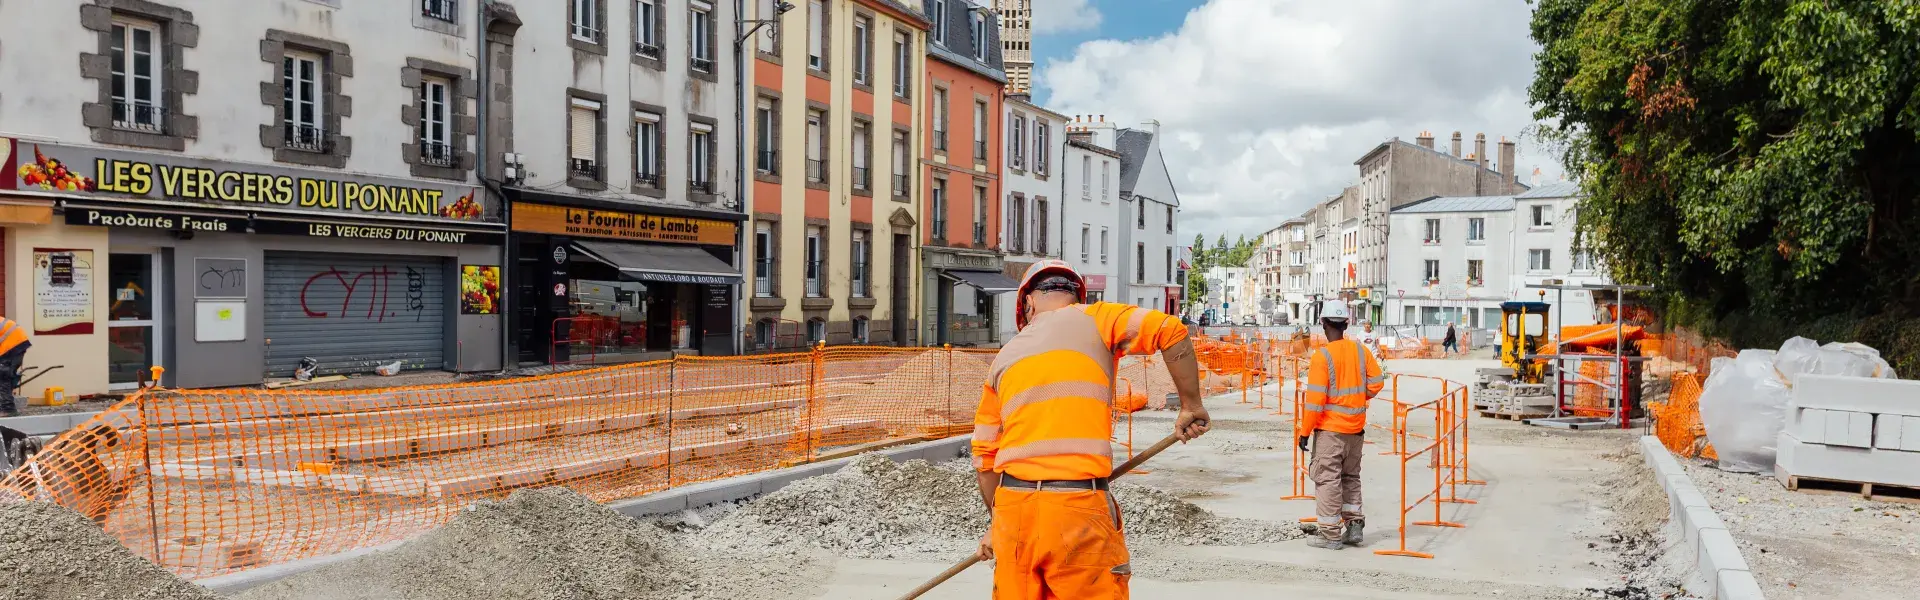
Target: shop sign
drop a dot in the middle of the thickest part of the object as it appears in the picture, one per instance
(943, 260)
(681, 278)
(8, 180)
(165, 221)
(589, 222)
(62, 291)
(111, 173)
(1095, 283)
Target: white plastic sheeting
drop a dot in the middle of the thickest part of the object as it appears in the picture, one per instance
(1744, 402)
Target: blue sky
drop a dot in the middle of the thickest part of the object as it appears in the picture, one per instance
(1119, 19)
(1264, 105)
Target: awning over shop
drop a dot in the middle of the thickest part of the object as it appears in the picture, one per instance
(988, 281)
(670, 264)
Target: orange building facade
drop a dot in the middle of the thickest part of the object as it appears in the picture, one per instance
(960, 249)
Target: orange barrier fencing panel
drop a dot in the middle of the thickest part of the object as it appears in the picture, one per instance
(207, 482)
(1676, 422)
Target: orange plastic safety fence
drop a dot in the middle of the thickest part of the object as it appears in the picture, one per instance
(205, 482)
(1677, 421)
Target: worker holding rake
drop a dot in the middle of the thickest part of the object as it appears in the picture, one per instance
(1041, 436)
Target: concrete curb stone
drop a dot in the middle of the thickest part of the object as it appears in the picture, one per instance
(1723, 572)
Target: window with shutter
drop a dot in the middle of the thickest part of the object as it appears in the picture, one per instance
(583, 143)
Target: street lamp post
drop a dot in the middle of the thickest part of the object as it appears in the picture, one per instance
(741, 34)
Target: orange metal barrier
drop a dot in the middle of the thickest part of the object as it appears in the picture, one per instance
(1446, 450)
(206, 482)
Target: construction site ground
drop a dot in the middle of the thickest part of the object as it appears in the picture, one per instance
(1537, 530)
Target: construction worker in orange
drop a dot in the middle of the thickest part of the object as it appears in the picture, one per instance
(1341, 377)
(1041, 436)
(13, 354)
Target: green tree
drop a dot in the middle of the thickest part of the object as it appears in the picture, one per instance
(1757, 157)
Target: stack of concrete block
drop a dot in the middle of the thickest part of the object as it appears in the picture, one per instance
(1851, 429)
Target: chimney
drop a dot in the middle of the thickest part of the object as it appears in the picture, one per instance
(1425, 140)
(1480, 149)
(1536, 175)
(1508, 174)
(1152, 125)
(1456, 144)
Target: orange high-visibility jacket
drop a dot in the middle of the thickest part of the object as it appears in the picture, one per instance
(12, 334)
(1341, 377)
(1047, 409)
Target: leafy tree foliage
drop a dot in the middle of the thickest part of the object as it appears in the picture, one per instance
(1752, 157)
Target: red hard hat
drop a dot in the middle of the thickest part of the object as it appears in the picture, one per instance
(1035, 273)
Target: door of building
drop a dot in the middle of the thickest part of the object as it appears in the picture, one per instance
(354, 312)
(902, 290)
(134, 318)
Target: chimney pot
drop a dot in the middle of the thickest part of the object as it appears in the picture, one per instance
(1480, 149)
(1456, 144)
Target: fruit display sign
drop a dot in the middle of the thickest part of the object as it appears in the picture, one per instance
(479, 290)
(118, 174)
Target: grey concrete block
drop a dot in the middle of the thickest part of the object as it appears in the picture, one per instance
(1717, 554)
(252, 578)
(670, 501)
(1738, 585)
(728, 490)
(38, 424)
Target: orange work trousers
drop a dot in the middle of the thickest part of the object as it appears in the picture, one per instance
(1058, 544)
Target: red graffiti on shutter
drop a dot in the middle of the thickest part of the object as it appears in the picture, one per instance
(376, 303)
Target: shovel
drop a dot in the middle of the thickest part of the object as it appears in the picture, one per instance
(972, 560)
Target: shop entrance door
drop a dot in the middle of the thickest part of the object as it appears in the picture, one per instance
(133, 318)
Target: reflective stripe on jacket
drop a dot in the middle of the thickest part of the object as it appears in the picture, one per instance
(1046, 410)
(12, 334)
(1341, 377)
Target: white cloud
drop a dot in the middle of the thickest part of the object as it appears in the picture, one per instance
(1054, 16)
(1266, 104)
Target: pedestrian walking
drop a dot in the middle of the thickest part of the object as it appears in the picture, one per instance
(1451, 343)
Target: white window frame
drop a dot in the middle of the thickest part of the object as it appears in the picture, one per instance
(436, 118)
(1580, 261)
(979, 34)
(817, 35)
(939, 203)
(700, 36)
(940, 22)
(1103, 245)
(1017, 141)
(1476, 271)
(900, 160)
(979, 126)
(1086, 241)
(816, 144)
(646, 16)
(699, 161)
(584, 21)
(862, 49)
(646, 146)
(1476, 229)
(1539, 259)
(1040, 149)
(862, 137)
(293, 86)
(903, 63)
(1433, 231)
(861, 278)
(1106, 181)
(770, 41)
(816, 263)
(1541, 216)
(764, 249)
(766, 122)
(862, 330)
(126, 93)
(816, 330)
(1432, 271)
(1086, 178)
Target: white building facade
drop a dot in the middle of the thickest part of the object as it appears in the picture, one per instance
(1090, 215)
(1456, 259)
(1545, 219)
(1035, 186)
(1149, 260)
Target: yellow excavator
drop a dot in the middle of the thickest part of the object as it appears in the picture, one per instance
(1521, 386)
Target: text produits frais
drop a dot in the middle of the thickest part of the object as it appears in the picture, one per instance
(618, 220)
(192, 183)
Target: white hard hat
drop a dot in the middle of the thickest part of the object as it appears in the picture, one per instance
(1334, 309)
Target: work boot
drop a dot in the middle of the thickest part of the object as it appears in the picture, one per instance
(1324, 543)
(1353, 535)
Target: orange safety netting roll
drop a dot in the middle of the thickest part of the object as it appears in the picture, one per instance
(206, 482)
(1676, 422)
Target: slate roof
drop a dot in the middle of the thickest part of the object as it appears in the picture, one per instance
(1557, 189)
(958, 45)
(1133, 146)
(1446, 204)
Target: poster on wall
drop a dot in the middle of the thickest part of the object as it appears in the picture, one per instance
(62, 291)
(479, 290)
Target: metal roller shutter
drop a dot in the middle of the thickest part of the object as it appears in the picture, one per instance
(355, 312)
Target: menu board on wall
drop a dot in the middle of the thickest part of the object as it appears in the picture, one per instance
(62, 291)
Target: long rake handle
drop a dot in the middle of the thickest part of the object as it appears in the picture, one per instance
(975, 559)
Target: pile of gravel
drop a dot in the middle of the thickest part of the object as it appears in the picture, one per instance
(876, 508)
(548, 544)
(49, 551)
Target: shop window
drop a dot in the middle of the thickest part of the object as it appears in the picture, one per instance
(816, 330)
